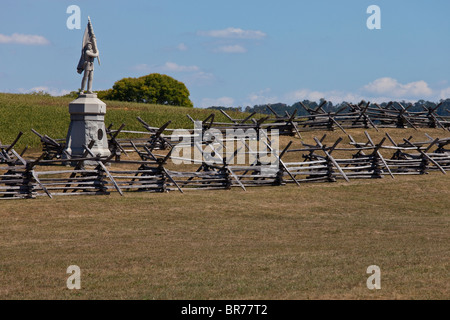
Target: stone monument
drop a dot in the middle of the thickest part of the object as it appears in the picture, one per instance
(87, 112)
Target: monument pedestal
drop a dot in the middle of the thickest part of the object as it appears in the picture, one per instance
(87, 123)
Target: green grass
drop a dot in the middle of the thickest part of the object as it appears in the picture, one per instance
(49, 115)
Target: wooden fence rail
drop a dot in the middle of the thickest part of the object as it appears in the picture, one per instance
(50, 174)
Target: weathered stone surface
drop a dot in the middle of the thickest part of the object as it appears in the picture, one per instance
(87, 115)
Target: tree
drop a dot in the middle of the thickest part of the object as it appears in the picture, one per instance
(153, 88)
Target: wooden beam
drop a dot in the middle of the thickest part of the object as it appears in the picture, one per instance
(171, 179)
(105, 170)
(40, 184)
(279, 160)
(332, 159)
(378, 146)
(427, 156)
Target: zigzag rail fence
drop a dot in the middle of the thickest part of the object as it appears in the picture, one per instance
(55, 173)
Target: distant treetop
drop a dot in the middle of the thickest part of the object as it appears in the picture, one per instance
(153, 88)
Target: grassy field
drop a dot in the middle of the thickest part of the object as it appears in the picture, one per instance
(50, 115)
(310, 242)
(313, 242)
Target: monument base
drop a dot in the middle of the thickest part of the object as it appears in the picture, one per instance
(87, 123)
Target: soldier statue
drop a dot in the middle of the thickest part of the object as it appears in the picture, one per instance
(88, 67)
(88, 54)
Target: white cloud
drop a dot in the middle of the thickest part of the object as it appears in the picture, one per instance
(312, 95)
(261, 97)
(444, 94)
(26, 39)
(217, 102)
(380, 90)
(171, 66)
(190, 75)
(182, 47)
(199, 78)
(167, 67)
(233, 33)
(203, 76)
(38, 89)
(231, 49)
(52, 91)
(305, 94)
(141, 67)
(391, 87)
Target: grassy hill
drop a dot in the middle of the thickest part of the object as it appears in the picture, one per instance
(50, 115)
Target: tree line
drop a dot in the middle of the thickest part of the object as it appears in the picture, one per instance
(280, 108)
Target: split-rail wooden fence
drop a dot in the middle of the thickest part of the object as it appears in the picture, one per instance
(55, 173)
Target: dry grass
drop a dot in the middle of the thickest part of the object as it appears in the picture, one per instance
(312, 242)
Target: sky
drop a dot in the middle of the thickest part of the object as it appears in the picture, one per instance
(235, 53)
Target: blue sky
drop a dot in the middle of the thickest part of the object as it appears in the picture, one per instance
(236, 53)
